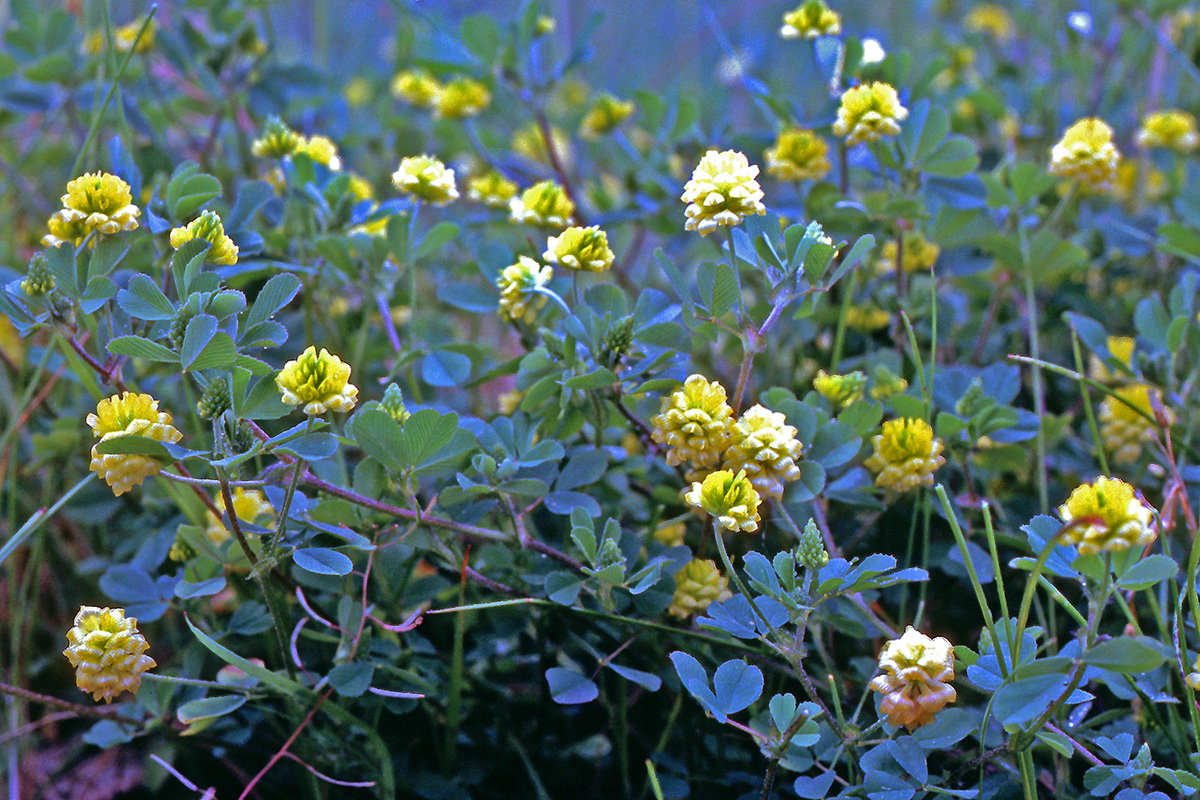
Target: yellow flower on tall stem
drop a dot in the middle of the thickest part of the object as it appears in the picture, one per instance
(317, 382)
(108, 652)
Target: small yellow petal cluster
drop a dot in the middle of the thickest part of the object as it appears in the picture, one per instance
(694, 423)
(426, 178)
(862, 318)
(697, 585)
(1119, 347)
(1107, 516)
(544, 204)
(1173, 129)
(730, 498)
(722, 192)
(318, 382)
(991, 19)
(321, 150)
(1124, 431)
(277, 140)
(108, 652)
(1086, 153)
(606, 114)
(250, 505)
(97, 202)
(461, 97)
(124, 39)
(128, 414)
(393, 404)
(915, 683)
(869, 112)
(809, 20)
(528, 141)
(840, 390)
(359, 187)
(798, 155)
(518, 285)
(920, 254)
(580, 248)
(416, 87)
(906, 455)
(208, 227)
(765, 447)
(11, 344)
(670, 534)
(491, 189)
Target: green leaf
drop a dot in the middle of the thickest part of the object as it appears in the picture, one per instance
(599, 378)
(134, 445)
(144, 300)
(313, 447)
(861, 248)
(209, 707)
(1147, 572)
(426, 432)
(954, 158)
(140, 347)
(274, 295)
(1124, 654)
(106, 256)
(380, 437)
(444, 368)
(322, 561)
(187, 263)
(276, 682)
(718, 286)
(563, 587)
(351, 680)
(569, 687)
(737, 685)
(188, 191)
(442, 234)
(199, 332)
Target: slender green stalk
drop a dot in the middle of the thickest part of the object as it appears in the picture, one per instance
(454, 697)
(737, 272)
(1101, 458)
(843, 314)
(37, 520)
(1035, 351)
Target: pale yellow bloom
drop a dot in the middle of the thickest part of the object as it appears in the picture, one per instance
(461, 97)
(722, 192)
(128, 414)
(581, 249)
(108, 652)
(519, 283)
(491, 189)
(427, 179)
(318, 382)
(250, 505)
(906, 455)
(697, 585)
(1086, 153)
(694, 423)
(730, 498)
(544, 204)
(920, 254)
(765, 447)
(277, 140)
(208, 227)
(991, 19)
(915, 683)
(416, 87)
(321, 150)
(605, 116)
(1108, 516)
(1172, 129)
(840, 390)
(1124, 431)
(809, 20)
(869, 112)
(101, 202)
(797, 155)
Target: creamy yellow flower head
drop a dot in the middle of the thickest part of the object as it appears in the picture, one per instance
(606, 114)
(722, 192)
(277, 140)
(527, 141)
(697, 585)
(1173, 129)
(318, 382)
(764, 446)
(798, 155)
(108, 652)
(359, 187)
(906, 455)
(208, 227)
(991, 19)
(840, 390)
(321, 150)
(461, 97)
(101, 202)
(869, 112)
(416, 87)
(1123, 430)
(580, 248)
(250, 505)
(519, 284)
(920, 254)
(1086, 153)
(1119, 347)
(426, 178)
(1125, 186)
(694, 423)
(128, 414)
(670, 534)
(730, 498)
(65, 231)
(544, 204)
(809, 20)
(491, 189)
(915, 683)
(1108, 516)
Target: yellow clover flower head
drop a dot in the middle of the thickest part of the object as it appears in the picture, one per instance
(694, 423)
(1086, 153)
(1124, 431)
(670, 534)
(518, 285)
(544, 204)
(765, 447)
(128, 414)
(101, 202)
(108, 652)
(798, 155)
(606, 114)
(991, 19)
(840, 390)
(64, 230)
(250, 505)
(915, 683)
(697, 585)
(730, 498)
(920, 254)
(321, 150)
(207, 226)
(416, 87)
(580, 248)
(869, 112)
(318, 382)
(1107, 516)
(867, 319)
(1173, 129)
(277, 140)
(529, 142)
(1121, 348)
(809, 20)
(461, 97)
(426, 178)
(906, 455)
(722, 192)
(491, 189)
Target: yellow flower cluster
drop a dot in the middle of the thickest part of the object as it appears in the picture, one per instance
(416, 87)
(730, 498)
(124, 39)
(519, 283)
(580, 249)
(318, 382)
(606, 114)
(697, 585)
(798, 155)
(321, 150)
(1106, 516)
(809, 20)
(694, 423)
(1120, 348)
(869, 112)
(461, 97)
(250, 505)
(544, 204)
(722, 192)
(906, 455)
(426, 178)
(128, 414)
(1173, 129)
(991, 19)
(97, 203)
(491, 189)
(919, 255)
(1086, 153)
(840, 390)
(208, 227)
(915, 683)
(1122, 429)
(108, 652)
(278, 140)
(765, 447)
